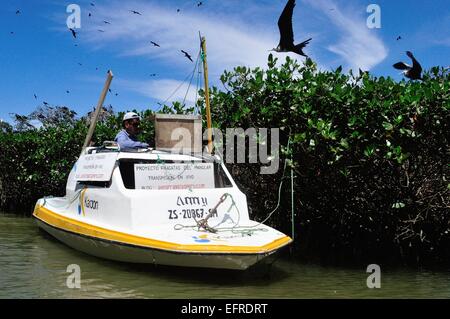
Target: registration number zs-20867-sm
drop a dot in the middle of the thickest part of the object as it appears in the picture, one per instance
(188, 213)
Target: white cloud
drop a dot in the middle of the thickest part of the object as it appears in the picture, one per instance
(232, 39)
(230, 42)
(356, 44)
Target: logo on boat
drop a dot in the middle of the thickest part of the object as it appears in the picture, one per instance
(201, 239)
(91, 204)
(85, 202)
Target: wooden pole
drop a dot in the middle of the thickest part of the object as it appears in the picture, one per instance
(94, 119)
(207, 102)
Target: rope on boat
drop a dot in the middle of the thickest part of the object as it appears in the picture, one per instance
(65, 205)
(203, 223)
(236, 229)
(191, 76)
(244, 230)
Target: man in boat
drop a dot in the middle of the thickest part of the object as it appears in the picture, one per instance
(127, 138)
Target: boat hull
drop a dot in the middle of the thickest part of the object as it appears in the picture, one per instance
(143, 255)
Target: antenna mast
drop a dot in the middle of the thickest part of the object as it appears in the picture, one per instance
(207, 102)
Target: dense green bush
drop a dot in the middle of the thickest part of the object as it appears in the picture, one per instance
(370, 156)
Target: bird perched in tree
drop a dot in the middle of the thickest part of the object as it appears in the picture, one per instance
(187, 55)
(74, 33)
(413, 72)
(287, 34)
(155, 44)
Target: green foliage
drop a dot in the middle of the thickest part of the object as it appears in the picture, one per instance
(370, 155)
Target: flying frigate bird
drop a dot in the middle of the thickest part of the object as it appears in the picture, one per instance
(155, 44)
(74, 34)
(413, 72)
(287, 34)
(135, 12)
(187, 55)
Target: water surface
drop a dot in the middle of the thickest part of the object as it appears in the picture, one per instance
(33, 265)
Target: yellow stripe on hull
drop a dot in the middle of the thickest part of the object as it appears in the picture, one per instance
(74, 226)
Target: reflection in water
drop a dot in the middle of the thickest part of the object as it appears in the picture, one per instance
(33, 265)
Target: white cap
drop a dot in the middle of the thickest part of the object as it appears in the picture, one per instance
(130, 116)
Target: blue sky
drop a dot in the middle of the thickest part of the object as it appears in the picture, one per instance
(41, 58)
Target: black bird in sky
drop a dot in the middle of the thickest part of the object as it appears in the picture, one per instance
(187, 55)
(18, 12)
(90, 14)
(106, 22)
(178, 10)
(99, 30)
(74, 33)
(67, 91)
(155, 44)
(413, 72)
(80, 64)
(35, 96)
(93, 4)
(45, 103)
(399, 38)
(135, 12)
(287, 34)
(199, 4)
(154, 74)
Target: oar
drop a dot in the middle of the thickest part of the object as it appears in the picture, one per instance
(97, 111)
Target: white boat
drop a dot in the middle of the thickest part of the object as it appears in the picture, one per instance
(157, 208)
